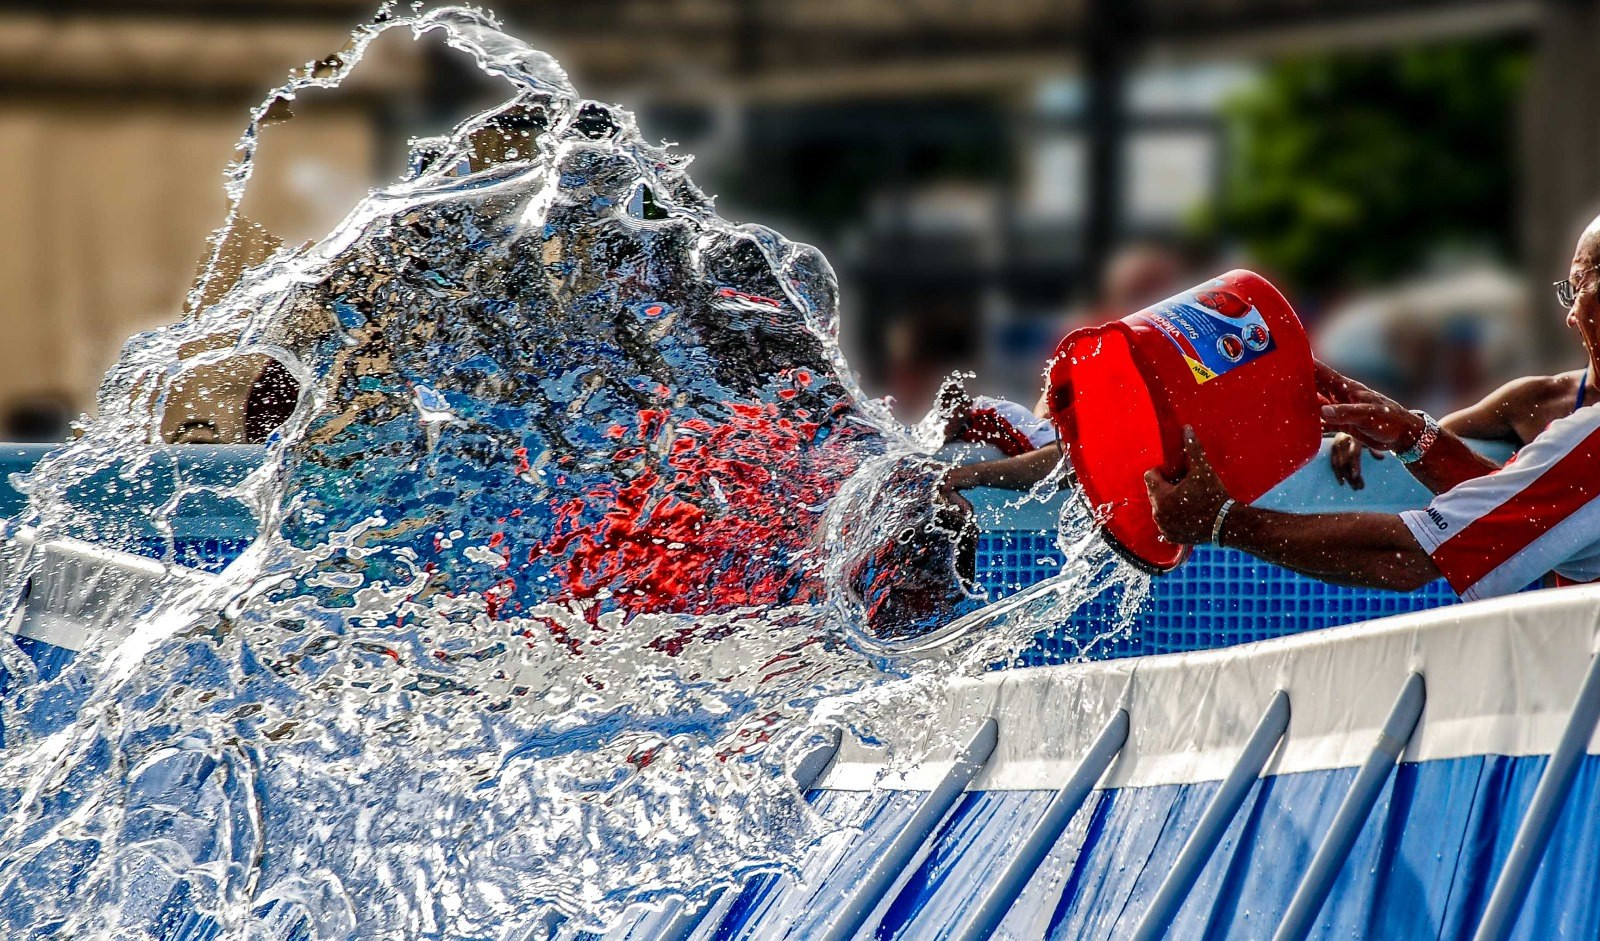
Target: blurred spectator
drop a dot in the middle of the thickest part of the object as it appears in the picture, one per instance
(1137, 276)
(1442, 341)
(920, 350)
(39, 419)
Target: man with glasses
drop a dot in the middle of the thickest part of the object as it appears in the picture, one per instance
(1489, 531)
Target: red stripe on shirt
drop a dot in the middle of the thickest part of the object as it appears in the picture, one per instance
(1492, 539)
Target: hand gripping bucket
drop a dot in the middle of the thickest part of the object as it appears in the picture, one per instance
(1228, 358)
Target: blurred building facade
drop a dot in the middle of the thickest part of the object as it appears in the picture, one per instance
(969, 168)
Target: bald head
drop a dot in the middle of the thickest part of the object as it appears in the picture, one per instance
(1587, 252)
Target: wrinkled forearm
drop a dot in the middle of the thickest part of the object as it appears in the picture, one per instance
(1450, 462)
(1011, 473)
(1367, 550)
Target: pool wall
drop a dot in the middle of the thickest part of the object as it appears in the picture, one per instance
(1472, 700)
(1255, 772)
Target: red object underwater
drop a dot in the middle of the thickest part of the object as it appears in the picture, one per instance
(1228, 358)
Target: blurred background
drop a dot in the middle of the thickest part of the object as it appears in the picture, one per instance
(983, 176)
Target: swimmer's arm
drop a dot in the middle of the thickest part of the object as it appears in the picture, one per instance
(1011, 473)
(1360, 550)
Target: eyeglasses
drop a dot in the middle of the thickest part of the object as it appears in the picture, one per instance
(1567, 292)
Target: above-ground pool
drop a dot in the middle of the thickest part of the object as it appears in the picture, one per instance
(1245, 792)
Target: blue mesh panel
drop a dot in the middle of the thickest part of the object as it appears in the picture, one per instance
(1219, 598)
(208, 555)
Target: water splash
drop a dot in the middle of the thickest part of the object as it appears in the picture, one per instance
(579, 533)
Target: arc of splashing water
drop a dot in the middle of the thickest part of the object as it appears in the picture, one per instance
(240, 173)
(455, 21)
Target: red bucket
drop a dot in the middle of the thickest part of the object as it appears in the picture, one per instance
(1228, 358)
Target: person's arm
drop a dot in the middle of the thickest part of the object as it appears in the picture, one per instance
(1448, 462)
(1010, 473)
(1491, 535)
(1362, 550)
(1373, 550)
(1489, 419)
(1041, 408)
(1379, 422)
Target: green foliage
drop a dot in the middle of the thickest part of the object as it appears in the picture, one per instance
(1354, 168)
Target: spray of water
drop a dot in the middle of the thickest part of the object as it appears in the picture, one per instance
(576, 538)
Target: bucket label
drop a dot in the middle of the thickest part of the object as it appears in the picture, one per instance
(1215, 329)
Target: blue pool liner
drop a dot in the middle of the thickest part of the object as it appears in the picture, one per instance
(1422, 865)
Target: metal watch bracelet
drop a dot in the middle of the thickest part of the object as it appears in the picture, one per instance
(1430, 434)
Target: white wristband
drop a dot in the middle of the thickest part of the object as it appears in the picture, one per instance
(1222, 516)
